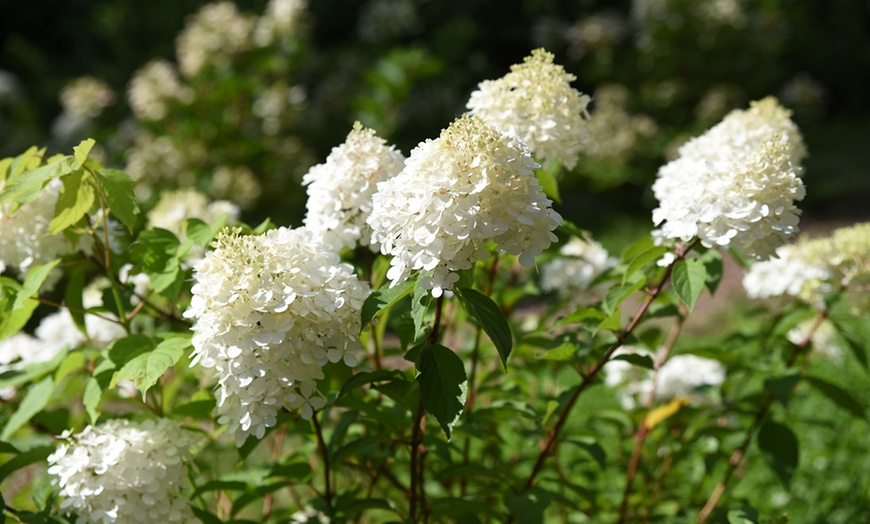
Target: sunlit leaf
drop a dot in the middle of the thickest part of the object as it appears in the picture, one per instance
(491, 319)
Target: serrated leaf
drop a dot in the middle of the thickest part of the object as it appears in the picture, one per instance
(117, 187)
(81, 151)
(91, 399)
(779, 446)
(144, 370)
(689, 279)
(382, 299)
(32, 282)
(443, 384)
(838, 395)
(77, 195)
(33, 402)
(491, 319)
(25, 186)
(201, 233)
(156, 250)
(125, 349)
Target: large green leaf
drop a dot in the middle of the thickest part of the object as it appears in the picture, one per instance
(144, 370)
(33, 402)
(77, 195)
(491, 319)
(81, 151)
(779, 446)
(32, 282)
(443, 384)
(838, 395)
(26, 458)
(117, 187)
(689, 280)
(157, 252)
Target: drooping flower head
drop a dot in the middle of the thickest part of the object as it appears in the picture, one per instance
(470, 186)
(536, 103)
(340, 190)
(736, 185)
(270, 311)
(124, 471)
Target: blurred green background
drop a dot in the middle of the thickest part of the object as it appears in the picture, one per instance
(659, 72)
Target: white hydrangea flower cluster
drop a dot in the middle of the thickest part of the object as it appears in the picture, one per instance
(174, 207)
(24, 238)
(582, 261)
(214, 34)
(470, 186)
(736, 185)
(282, 18)
(270, 311)
(86, 97)
(153, 90)
(810, 268)
(678, 376)
(340, 190)
(124, 471)
(784, 275)
(536, 103)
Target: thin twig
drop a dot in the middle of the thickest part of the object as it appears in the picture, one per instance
(324, 455)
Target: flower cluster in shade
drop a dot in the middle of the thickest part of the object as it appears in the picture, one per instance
(86, 97)
(736, 185)
(270, 311)
(823, 336)
(154, 89)
(614, 133)
(679, 376)
(812, 267)
(58, 331)
(212, 36)
(470, 187)
(536, 103)
(340, 190)
(124, 472)
(24, 238)
(581, 261)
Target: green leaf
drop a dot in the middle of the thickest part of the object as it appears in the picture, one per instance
(201, 233)
(547, 178)
(370, 377)
(156, 250)
(528, 507)
(641, 259)
(33, 402)
(81, 151)
(560, 353)
(855, 331)
(76, 197)
(838, 395)
(636, 359)
(125, 349)
(31, 456)
(117, 187)
(145, 369)
(443, 384)
(73, 295)
(582, 315)
(382, 299)
(491, 319)
(779, 446)
(617, 295)
(782, 387)
(13, 319)
(419, 305)
(712, 259)
(689, 279)
(34, 279)
(25, 186)
(32, 371)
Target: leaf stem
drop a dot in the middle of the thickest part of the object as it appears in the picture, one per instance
(324, 456)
